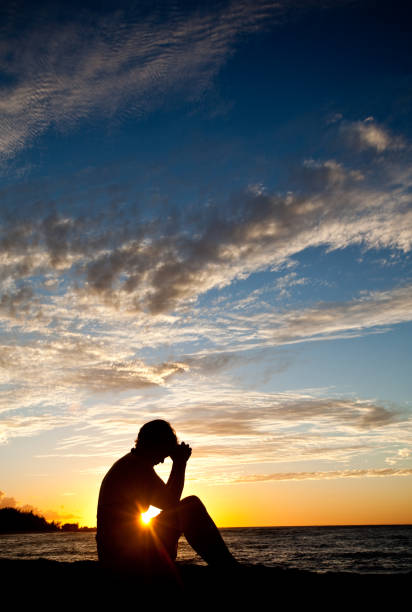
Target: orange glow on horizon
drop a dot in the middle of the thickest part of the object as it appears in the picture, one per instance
(350, 501)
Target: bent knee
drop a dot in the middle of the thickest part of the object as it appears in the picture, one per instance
(192, 499)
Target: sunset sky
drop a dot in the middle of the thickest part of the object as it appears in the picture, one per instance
(206, 217)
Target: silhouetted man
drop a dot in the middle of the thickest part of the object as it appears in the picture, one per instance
(131, 486)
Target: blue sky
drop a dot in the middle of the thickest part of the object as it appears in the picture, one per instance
(205, 217)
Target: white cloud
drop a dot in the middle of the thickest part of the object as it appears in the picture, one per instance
(375, 309)
(248, 426)
(367, 134)
(286, 282)
(228, 427)
(124, 375)
(123, 63)
(84, 366)
(268, 230)
(400, 455)
(158, 266)
(371, 473)
(78, 362)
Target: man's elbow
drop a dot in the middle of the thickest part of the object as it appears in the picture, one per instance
(170, 503)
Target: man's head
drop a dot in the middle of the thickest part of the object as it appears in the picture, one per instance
(157, 439)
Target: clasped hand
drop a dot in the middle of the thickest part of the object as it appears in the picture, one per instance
(181, 452)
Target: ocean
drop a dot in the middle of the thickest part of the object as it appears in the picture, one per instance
(364, 549)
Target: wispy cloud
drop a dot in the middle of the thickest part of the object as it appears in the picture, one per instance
(155, 266)
(372, 473)
(367, 134)
(124, 375)
(86, 367)
(325, 320)
(100, 300)
(228, 426)
(123, 63)
(285, 283)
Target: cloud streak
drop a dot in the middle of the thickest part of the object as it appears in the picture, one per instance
(125, 63)
(156, 266)
(325, 320)
(371, 473)
(368, 135)
(124, 375)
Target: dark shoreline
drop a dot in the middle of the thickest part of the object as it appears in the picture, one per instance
(39, 580)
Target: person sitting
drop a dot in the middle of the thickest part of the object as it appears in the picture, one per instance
(131, 485)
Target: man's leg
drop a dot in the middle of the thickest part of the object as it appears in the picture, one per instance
(165, 532)
(191, 518)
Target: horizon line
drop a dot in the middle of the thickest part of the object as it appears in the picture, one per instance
(312, 525)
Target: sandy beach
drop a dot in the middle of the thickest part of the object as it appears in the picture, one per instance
(53, 583)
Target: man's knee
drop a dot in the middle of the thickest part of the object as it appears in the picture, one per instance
(191, 511)
(193, 500)
(192, 506)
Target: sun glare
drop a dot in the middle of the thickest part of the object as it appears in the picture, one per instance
(147, 516)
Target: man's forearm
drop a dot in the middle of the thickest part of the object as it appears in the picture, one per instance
(176, 482)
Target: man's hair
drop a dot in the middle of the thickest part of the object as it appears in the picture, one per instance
(156, 433)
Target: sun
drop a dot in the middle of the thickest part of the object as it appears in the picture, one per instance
(147, 516)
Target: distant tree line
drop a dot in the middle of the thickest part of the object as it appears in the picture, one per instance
(13, 520)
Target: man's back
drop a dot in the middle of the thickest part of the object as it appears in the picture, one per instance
(126, 491)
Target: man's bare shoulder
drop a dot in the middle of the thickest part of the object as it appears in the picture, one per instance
(130, 463)
(127, 475)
